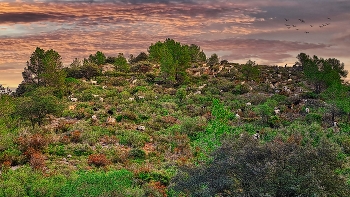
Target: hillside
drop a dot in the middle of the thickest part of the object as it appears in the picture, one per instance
(131, 134)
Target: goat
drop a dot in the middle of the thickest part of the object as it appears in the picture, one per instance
(307, 110)
(74, 99)
(248, 104)
(101, 99)
(141, 128)
(104, 87)
(131, 99)
(93, 82)
(256, 135)
(94, 117)
(237, 116)
(202, 86)
(110, 121)
(277, 111)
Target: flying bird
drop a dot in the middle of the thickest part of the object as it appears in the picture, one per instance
(286, 19)
(294, 26)
(301, 20)
(311, 26)
(329, 18)
(307, 32)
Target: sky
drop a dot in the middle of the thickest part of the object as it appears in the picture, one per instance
(236, 30)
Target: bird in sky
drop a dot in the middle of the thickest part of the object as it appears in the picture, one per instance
(286, 19)
(311, 26)
(329, 18)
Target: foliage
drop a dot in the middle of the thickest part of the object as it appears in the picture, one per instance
(174, 59)
(322, 72)
(121, 64)
(243, 167)
(98, 160)
(112, 183)
(213, 60)
(99, 58)
(36, 107)
(250, 71)
(45, 68)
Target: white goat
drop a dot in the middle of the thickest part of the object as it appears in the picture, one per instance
(307, 110)
(93, 82)
(74, 99)
(248, 104)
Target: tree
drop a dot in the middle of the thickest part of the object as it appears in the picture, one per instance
(44, 68)
(121, 64)
(37, 104)
(320, 72)
(174, 59)
(244, 167)
(213, 60)
(99, 58)
(140, 57)
(74, 69)
(90, 70)
(250, 70)
(196, 54)
(338, 95)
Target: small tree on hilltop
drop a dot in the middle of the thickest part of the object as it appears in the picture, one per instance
(250, 70)
(174, 59)
(121, 64)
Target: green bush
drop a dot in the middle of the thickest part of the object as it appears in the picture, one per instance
(102, 184)
(137, 153)
(133, 138)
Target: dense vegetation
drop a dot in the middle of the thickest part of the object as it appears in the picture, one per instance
(172, 122)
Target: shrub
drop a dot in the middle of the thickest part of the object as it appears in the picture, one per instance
(58, 150)
(133, 138)
(136, 153)
(37, 161)
(94, 184)
(82, 150)
(98, 160)
(75, 136)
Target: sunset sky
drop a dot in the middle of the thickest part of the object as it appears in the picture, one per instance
(236, 30)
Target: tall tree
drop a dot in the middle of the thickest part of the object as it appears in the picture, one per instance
(321, 72)
(250, 70)
(197, 55)
(213, 60)
(44, 68)
(39, 103)
(99, 58)
(174, 59)
(121, 64)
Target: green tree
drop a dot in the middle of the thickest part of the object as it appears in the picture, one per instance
(213, 60)
(121, 64)
(99, 58)
(75, 69)
(174, 59)
(244, 167)
(90, 70)
(44, 68)
(196, 54)
(250, 70)
(338, 95)
(140, 57)
(321, 72)
(37, 104)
